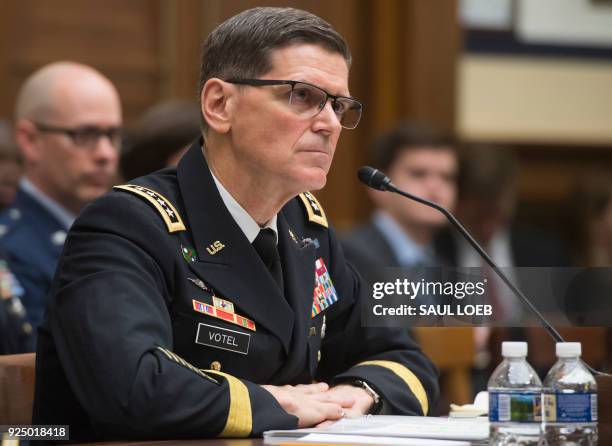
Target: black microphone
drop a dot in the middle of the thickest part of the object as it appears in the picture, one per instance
(375, 179)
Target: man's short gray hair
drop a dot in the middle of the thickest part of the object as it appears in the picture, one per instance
(240, 47)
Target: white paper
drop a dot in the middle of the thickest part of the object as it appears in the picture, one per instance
(362, 439)
(467, 429)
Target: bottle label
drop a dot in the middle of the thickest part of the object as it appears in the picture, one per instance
(570, 407)
(520, 407)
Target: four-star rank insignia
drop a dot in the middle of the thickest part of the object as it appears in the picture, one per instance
(167, 211)
(224, 310)
(315, 211)
(324, 292)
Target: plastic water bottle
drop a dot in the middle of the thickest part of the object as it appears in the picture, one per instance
(570, 400)
(515, 399)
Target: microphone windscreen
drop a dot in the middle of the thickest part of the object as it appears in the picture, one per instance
(373, 178)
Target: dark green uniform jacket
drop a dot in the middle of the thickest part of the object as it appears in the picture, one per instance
(163, 320)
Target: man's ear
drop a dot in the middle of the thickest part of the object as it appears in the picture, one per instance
(217, 104)
(26, 137)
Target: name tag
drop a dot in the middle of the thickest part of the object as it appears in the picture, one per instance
(223, 338)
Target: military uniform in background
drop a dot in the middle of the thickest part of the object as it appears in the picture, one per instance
(15, 330)
(32, 238)
(163, 319)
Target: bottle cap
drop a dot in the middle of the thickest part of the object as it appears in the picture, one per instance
(514, 349)
(568, 349)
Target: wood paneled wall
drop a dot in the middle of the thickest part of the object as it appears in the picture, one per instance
(404, 55)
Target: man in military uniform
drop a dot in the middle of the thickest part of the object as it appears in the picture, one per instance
(67, 122)
(213, 299)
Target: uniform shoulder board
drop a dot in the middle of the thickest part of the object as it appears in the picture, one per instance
(160, 203)
(315, 211)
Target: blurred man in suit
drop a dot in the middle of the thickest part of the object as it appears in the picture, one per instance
(67, 125)
(488, 182)
(418, 159)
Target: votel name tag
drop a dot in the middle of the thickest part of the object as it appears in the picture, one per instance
(223, 338)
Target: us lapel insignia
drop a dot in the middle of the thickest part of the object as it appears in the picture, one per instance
(189, 254)
(324, 292)
(227, 316)
(199, 283)
(215, 247)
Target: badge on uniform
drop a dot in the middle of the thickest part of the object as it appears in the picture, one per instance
(199, 283)
(224, 310)
(189, 254)
(219, 337)
(9, 286)
(324, 292)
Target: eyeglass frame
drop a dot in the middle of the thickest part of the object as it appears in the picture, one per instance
(271, 82)
(75, 132)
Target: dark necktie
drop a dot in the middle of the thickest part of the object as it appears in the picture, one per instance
(266, 247)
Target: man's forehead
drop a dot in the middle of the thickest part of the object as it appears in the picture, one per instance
(310, 63)
(428, 155)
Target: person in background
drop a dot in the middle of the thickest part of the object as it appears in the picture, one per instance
(486, 205)
(418, 159)
(587, 299)
(590, 204)
(68, 128)
(10, 167)
(160, 137)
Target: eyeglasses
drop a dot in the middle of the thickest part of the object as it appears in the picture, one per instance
(308, 100)
(86, 136)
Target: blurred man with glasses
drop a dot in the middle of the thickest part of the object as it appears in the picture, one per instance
(213, 298)
(67, 125)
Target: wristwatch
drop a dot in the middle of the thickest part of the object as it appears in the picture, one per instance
(377, 400)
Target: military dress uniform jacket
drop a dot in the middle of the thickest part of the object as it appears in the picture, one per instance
(15, 330)
(32, 239)
(163, 319)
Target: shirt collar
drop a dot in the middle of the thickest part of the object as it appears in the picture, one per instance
(246, 223)
(406, 250)
(65, 217)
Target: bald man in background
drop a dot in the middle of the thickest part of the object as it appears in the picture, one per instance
(68, 128)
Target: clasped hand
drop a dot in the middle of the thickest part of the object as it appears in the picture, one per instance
(320, 405)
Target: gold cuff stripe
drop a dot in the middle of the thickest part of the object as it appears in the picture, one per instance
(173, 220)
(408, 377)
(177, 359)
(239, 417)
(315, 211)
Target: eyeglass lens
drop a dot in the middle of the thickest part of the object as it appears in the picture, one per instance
(89, 136)
(309, 100)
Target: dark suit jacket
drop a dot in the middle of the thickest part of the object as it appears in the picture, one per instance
(369, 251)
(530, 248)
(135, 343)
(31, 249)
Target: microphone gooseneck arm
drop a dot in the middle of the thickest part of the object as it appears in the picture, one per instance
(377, 180)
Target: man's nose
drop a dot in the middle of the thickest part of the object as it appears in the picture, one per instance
(107, 147)
(328, 118)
